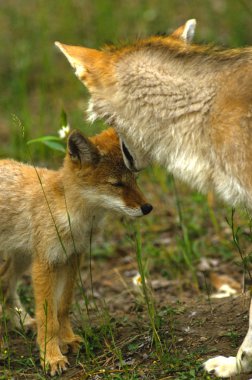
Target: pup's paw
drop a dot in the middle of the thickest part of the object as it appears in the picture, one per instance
(57, 365)
(74, 343)
(64, 348)
(21, 321)
(30, 324)
(222, 366)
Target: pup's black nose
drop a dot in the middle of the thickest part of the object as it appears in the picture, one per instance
(146, 209)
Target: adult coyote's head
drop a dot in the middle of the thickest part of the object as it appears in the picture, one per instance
(125, 90)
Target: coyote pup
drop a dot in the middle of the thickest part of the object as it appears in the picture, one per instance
(187, 107)
(46, 220)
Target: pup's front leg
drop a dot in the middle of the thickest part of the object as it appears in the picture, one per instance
(225, 367)
(66, 334)
(45, 281)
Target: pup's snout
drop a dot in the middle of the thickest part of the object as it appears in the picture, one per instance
(146, 208)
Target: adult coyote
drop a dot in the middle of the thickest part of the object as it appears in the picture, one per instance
(187, 107)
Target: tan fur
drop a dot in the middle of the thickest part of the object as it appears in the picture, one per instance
(184, 106)
(46, 220)
(187, 107)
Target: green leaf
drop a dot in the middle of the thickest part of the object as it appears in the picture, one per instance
(55, 145)
(43, 139)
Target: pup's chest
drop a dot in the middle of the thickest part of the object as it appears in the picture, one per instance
(84, 230)
(74, 236)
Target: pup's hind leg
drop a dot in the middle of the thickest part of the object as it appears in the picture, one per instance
(10, 272)
(66, 334)
(46, 284)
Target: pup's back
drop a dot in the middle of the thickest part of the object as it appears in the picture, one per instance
(17, 184)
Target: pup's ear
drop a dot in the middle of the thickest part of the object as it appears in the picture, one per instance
(185, 32)
(81, 149)
(86, 62)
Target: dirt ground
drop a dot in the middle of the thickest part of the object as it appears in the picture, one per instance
(191, 323)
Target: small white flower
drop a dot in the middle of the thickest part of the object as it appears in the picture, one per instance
(192, 314)
(137, 280)
(64, 131)
(18, 309)
(187, 329)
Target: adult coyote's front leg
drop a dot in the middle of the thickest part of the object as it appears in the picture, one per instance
(230, 366)
(46, 281)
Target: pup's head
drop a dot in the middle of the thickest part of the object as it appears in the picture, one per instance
(95, 168)
(115, 97)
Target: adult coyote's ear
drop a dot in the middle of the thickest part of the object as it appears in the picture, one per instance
(91, 66)
(185, 32)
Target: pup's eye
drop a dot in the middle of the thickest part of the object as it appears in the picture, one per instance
(117, 184)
